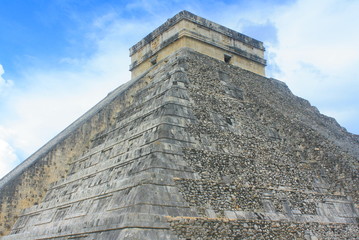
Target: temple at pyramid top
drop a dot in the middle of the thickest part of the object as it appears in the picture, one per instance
(187, 30)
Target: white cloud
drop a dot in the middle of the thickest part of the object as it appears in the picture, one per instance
(8, 157)
(4, 84)
(318, 54)
(51, 98)
(55, 97)
(320, 34)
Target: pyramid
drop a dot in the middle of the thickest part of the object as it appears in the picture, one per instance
(198, 145)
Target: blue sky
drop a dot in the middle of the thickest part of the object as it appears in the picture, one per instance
(58, 58)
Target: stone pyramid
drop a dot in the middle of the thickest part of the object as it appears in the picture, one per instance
(198, 145)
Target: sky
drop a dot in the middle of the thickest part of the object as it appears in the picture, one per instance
(58, 58)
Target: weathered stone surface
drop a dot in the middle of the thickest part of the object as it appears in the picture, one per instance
(264, 154)
(195, 148)
(218, 229)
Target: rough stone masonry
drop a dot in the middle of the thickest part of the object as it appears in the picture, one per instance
(198, 145)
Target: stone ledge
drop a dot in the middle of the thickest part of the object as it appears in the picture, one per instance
(200, 21)
(201, 38)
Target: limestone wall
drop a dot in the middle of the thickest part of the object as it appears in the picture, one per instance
(27, 184)
(122, 185)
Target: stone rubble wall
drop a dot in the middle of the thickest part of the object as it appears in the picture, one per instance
(261, 151)
(221, 229)
(223, 197)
